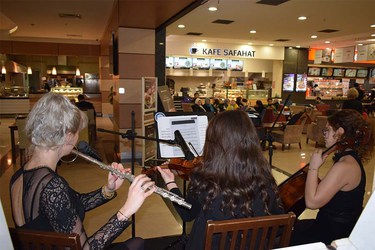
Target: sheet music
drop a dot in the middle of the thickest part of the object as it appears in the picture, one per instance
(193, 129)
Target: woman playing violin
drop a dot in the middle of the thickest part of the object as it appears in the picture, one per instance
(233, 181)
(339, 195)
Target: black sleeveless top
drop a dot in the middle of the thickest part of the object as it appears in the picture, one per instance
(346, 206)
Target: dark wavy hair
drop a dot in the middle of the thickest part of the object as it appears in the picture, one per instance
(358, 133)
(233, 166)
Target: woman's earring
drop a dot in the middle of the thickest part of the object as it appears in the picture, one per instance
(70, 157)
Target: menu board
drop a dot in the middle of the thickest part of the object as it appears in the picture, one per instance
(314, 71)
(169, 62)
(235, 65)
(301, 82)
(201, 63)
(327, 72)
(350, 72)
(288, 82)
(218, 64)
(362, 73)
(338, 72)
(182, 63)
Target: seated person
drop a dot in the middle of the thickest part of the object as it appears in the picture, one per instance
(197, 107)
(82, 104)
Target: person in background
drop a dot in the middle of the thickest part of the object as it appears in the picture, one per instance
(230, 183)
(196, 96)
(42, 200)
(272, 104)
(218, 105)
(352, 102)
(232, 105)
(82, 104)
(197, 106)
(318, 101)
(208, 106)
(339, 195)
(259, 107)
(361, 93)
(239, 102)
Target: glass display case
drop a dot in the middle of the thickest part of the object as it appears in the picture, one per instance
(70, 92)
(260, 94)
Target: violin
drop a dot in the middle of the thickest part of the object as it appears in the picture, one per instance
(292, 190)
(179, 166)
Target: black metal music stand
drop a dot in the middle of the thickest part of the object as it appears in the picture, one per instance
(269, 137)
(132, 135)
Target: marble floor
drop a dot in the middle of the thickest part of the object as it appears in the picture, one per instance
(154, 219)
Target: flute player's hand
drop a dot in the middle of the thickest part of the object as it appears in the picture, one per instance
(139, 190)
(114, 181)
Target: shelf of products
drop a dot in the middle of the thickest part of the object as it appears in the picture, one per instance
(331, 88)
(69, 92)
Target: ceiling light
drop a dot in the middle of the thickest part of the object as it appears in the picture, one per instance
(327, 42)
(181, 26)
(212, 8)
(29, 71)
(314, 36)
(373, 35)
(78, 72)
(249, 43)
(3, 70)
(54, 71)
(11, 31)
(290, 47)
(271, 44)
(298, 46)
(372, 25)
(204, 40)
(302, 18)
(253, 31)
(360, 44)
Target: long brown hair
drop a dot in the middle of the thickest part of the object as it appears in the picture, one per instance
(358, 133)
(233, 166)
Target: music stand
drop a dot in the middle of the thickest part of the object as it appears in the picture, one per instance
(269, 137)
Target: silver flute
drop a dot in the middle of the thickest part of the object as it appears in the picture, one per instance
(161, 191)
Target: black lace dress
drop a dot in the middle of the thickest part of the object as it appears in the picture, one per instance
(50, 204)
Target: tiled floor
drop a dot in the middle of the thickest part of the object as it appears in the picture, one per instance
(154, 219)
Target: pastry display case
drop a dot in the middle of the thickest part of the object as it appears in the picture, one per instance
(69, 92)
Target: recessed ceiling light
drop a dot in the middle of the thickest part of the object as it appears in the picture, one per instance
(372, 25)
(360, 44)
(249, 43)
(253, 31)
(302, 18)
(212, 8)
(327, 42)
(373, 35)
(314, 36)
(298, 46)
(181, 26)
(271, 44)
(290, 47)
(204, 40)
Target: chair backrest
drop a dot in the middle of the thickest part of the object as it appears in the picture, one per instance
(186, 107)
(265, 232)
(32, 239)
(23, 143)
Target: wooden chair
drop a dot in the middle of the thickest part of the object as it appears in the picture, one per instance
(23, 143)
(35, 240)
(314, 130)
(265, 232)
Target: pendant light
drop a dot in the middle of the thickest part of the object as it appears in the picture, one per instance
(29, 71)
(3, 70)
(78, 72)
(54, 72)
